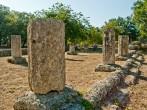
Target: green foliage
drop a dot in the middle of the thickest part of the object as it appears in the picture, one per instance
(12, 22)
(94, 36)
(123, 26)
(75, 23)
(87, 104)
(140, 16)
(77, 27)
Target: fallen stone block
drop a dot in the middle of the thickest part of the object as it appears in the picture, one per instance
(49, 101)
(105, 68)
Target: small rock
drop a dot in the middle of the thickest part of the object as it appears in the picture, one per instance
(105, 68)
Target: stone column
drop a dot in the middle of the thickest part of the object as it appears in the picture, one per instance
(108, 53)
(46, 50)
(109, 47)
(16, 46)
(72, 50)
(123, 43)
(16, 51)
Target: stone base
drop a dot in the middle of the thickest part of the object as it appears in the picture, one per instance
(71, 53)
(121, 58)
(134, 47)
(65, 100)
(105, 68)
(19, 60)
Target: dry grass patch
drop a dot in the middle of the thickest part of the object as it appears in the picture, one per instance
(79, 73)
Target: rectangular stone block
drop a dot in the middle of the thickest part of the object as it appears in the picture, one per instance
(123, 43)
(46, 50)
(16, 46)
(109, 47)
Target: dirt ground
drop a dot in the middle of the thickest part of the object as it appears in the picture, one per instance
(138, 94)
(79, 74)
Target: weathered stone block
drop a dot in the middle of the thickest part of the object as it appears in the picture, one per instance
(72, 50)
(109, 47)
(123, 43)
(16, 51)
(46, 51)
(18, 60)
(120, 58)
(68, 99)
(144, 46)
(134, 47)
(105, 68)
(16, 46)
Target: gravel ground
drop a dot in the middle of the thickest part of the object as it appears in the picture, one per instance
(79, 74)
(138, 93)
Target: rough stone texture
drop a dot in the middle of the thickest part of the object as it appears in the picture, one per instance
(16, 51)
(128, 72)
(140, 58)
(130, 80)
(100, 89)
(18, 60)
(131, 52)
(72, 107)
(123, 43)
(46, 56)
(109, 47)
(120, 58)
(16, 46)
(7, 52)
(117, 100)
(136, 43)
(105, 68)
(144, 46)
(116, 44)
(72, 50)
(65, 100)
(108, 52)
(134, 47)
(135, 55)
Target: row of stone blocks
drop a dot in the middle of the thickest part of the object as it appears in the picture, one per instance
(127, 74)
(109, 51)
(46, 65)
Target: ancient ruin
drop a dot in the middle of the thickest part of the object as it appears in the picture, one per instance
(16, 46)
(123, 43)
(16, 51)
(46, 56)
(46, 75)
(108, 52)
(72, 50)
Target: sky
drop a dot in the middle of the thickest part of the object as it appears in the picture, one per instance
(99, 11)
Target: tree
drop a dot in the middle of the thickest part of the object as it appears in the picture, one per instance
(75, 23)
(11, 23)
(94, 36)
(123, 26)
(140, 16)
(4, 11)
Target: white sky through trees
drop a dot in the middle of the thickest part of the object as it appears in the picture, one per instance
(99, 11)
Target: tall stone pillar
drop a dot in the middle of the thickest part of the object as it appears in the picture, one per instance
(108, 52)
(46, 50)
(123, 43)
(72, 50)
(47, 70)
(16, 46)
(16, 51)
(109, 47)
